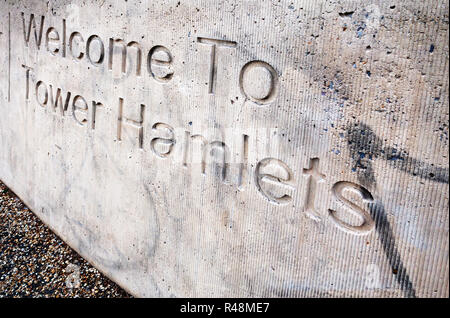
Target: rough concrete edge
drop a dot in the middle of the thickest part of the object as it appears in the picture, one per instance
(70, 245)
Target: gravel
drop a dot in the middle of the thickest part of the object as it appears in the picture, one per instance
(35, 262)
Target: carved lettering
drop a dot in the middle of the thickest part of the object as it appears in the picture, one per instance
(124, 51)
(137, 124)
(159, 64)
(57, 100)
(41, 102)
(367, 224)
(32, 24)
(95, 105)
(52, 39)
(244, 162)
(273, 173)
(72, 37)
(258, 82)
(79, 106)
(162, 145)
(314, 176)
(213, 58)
(27, 81)
(101, 50)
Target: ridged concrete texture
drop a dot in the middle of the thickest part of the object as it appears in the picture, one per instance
(235, 148)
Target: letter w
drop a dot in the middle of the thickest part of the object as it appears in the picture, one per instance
(54, 102)
(26, 34)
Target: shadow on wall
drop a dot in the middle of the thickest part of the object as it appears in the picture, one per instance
(365, 146)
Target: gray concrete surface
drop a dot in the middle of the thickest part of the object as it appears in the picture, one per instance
(235, 148)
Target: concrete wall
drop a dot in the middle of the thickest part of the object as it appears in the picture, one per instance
(228, 148)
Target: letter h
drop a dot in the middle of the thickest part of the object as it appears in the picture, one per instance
(138, 124)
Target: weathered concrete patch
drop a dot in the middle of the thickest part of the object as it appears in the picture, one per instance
(256, 148)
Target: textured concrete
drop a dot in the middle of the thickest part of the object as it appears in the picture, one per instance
(228, 148)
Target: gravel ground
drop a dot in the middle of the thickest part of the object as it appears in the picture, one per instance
(35, 262)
